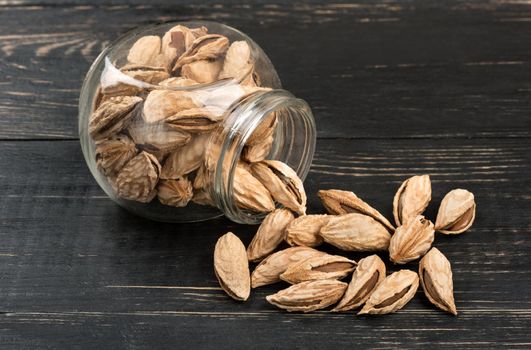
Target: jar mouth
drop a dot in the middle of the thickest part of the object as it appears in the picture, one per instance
(294, 143)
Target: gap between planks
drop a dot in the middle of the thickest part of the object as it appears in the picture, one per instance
(163, 287)
(463, 313)
(526, 135)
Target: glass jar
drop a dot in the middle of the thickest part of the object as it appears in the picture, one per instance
(171, 114)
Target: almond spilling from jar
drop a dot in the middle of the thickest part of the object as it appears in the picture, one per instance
(249, 193)
(283, 183)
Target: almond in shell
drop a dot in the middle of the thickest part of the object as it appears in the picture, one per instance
(411, 240)
(435, 274)
(113, 153)
(238, 62)
(355, 232)
(304, 230)
(343, 202)
(138, 178)
(202, 71)
(206, 47)
(195, 120)
(270, 234)
(456, 212)
(319, 268)
(270, 269)
(185, 159)
(392, 294)
(308, 296)
(369, 273)
(412, 198)
(231, 267)
(145, 50)
(249, 193)
(283, 183)
(112, 115)
(162, 104)
(175, 193)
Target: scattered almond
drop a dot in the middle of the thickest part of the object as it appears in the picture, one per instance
(393, 293)
(231, 267)
(355, 232)
(305, 229)
(369, 273)
(308, 296)
(412, 198)
(456, 212)
(436, 278)
(345, 202)
(319, 268)
(411, 240)
(270, 269)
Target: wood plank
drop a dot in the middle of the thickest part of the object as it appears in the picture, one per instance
(371, 70)
(173, 330)
(78, 271)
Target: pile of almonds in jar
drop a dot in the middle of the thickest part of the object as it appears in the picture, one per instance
(154, 117)
(352, 225)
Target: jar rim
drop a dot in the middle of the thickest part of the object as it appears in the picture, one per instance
(243, 119)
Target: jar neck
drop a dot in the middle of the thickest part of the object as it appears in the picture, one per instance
(294, 144)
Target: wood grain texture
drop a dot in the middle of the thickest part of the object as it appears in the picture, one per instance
(79, 272)
(370, 69)
(397, 87)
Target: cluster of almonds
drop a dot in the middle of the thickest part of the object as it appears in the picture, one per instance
(351, 225)
(153, 138)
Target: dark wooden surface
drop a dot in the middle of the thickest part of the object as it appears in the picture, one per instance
(397, 88)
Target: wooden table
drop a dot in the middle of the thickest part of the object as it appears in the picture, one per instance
(397, 88)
